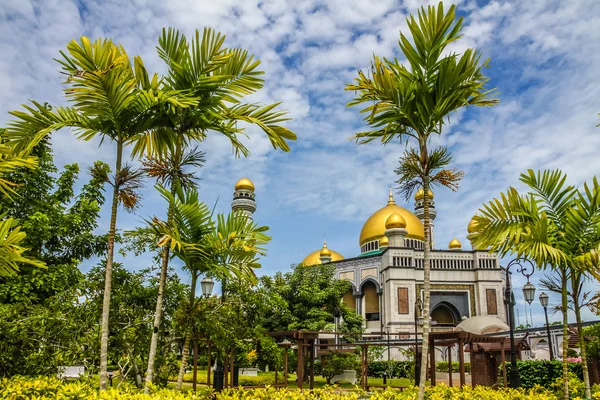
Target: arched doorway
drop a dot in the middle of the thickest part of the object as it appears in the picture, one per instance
(371, 301)
(445, 315)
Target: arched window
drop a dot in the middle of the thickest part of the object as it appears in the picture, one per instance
(348, 300)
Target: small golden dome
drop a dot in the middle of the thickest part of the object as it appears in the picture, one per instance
(244, 184)
(383, 242)
(325, 252)
(374, 228)
(395, 221)
(472, 226)
(314, 258)
(454, 244)
(420, 194)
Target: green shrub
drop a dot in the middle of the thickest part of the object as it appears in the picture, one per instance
(400, 369)
(20, 388)
(543, 373)
(442, 366)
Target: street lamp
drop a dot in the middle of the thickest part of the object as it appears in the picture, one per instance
(207, 285)
(418, 322)
(544, 302)
(526, 268)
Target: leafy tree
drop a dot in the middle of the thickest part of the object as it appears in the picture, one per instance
(335, 363)
(226, 249)
(116, 101)
(414, 103)
(220, 77)
(553, 224)
(43, 322)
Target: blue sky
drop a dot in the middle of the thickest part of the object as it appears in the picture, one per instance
(545, 62)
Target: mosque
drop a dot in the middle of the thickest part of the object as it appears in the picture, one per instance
(387, 275)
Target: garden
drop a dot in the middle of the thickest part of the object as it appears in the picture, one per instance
(185, 324)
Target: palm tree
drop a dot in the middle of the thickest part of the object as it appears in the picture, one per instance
(114, 100)
(224, 250)
(553, 224)
(414, 103)
(220, 77)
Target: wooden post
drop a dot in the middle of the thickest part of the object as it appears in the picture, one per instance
(472, 352)
(231, 371)
(285, 365)
(461, 362)
(503, 358)
(312, 364)
(300, 370)
(225, 369)
(432, 360)
(194, 380)
(450, 366)
(209, 365)
(363, 375)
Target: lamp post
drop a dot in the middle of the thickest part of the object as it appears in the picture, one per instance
(526, 268)
(207, 285)
(544, 302)
(418, 322)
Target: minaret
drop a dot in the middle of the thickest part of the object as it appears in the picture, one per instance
(470, 230)
(395, 230)
(420, 212)
(325, 254)
(243, 197)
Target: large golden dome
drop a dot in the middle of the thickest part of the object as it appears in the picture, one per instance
(374, 228)
(244, 184)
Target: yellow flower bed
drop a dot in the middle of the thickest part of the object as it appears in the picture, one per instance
(18, 388)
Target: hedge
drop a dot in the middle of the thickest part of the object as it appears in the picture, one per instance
(543, 373)
(20, 388)
(442, 366)
(400, 369)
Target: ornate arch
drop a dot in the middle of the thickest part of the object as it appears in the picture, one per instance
(372, 280)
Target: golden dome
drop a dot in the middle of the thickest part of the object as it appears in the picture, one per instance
(244, 184)
(419, 195)
(325, 252)
(314, 258)
(472, 226)
(374, 228)
(454, 244)
(383, 241)
(395, 221)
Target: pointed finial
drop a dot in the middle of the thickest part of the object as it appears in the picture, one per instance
(325, 241)
(391, 199)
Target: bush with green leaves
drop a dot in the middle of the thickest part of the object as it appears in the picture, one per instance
(543, 373)
(442, 366)
(400, 369)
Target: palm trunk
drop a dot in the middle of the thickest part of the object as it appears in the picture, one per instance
(575, 288)
(426, 288)
(161, 288)
(188, 336)
(565, 335)
(108, 273)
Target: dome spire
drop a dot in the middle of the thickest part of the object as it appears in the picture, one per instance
(325, 254)
(391, 201)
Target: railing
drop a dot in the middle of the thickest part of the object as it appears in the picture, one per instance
(448, 263)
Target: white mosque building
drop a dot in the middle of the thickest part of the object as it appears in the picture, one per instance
(387, 274)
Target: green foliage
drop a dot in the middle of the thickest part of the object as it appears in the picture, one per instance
(313, 299)
(593, 346)
(400, 369)
(59, 223)
(442, 366)
(335, 363)
(543, 373)
(25, 388)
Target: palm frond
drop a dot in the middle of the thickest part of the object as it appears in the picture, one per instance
(11, 251)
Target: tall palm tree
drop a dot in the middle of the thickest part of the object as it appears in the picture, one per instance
(415, 103)
(220, 77)
(114, 100)
(227, 249)
(553, 224)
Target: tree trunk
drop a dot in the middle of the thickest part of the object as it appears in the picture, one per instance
(108, 273)
(575, 288)
(188, 336)
(565, 335)
(162, 282)
(426, 286)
